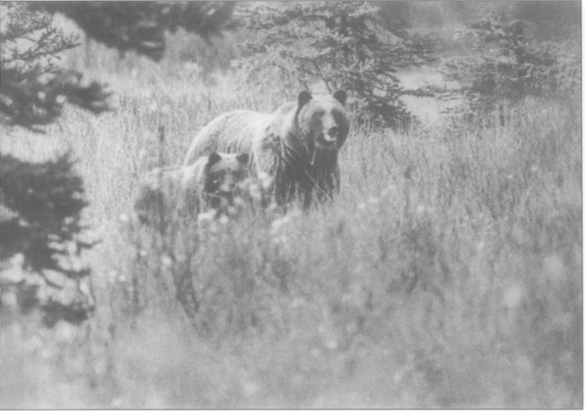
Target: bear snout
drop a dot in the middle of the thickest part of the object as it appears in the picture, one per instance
(329, 138)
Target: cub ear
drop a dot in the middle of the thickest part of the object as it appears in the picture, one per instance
(213, 158)
(304, 97)
(341, 96)
(243, 158)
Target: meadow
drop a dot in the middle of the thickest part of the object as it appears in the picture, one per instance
(447, 273)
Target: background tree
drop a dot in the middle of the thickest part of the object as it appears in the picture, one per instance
(40, 212)
(34, 88)
(41, 204)
(506, 65)
(141, 26)
(341, 44)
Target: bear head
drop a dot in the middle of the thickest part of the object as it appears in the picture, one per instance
(224, 177)
(323, 119)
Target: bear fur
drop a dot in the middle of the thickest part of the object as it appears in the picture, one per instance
(296, 147)
(212, 182)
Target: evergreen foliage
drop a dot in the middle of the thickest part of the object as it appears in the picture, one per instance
(41, 204)
(342, 44)
(141, 26)
(34, 88)
(40, 212)
(507, 66)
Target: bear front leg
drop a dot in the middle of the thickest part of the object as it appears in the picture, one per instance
(328, 186)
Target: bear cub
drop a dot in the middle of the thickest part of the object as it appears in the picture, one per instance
(212, 182)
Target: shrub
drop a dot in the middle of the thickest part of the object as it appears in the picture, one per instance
(343, 45)
(507, 66)
(40, 212)
(33, 88)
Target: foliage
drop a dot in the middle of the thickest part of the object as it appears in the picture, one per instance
(41, 204)
(507, 66)
(141, 26)
(341, 44)
(552, 20)
(41, 207)
(33, 88)
(447, 274)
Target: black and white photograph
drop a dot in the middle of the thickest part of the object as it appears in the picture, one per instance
(291, 205)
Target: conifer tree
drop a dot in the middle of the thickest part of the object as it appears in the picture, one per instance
(41, 203)
(344, 45)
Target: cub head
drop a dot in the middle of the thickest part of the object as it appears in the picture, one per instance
(323, 119)
(223, 178)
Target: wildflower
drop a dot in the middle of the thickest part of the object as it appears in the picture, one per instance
(513, 296)
(124, 218)
(45, 78)
(112, 276)
(480, 246)
(278, 223)
(84, 287)
(206, 216)
(554, 266)
(9, 299)
(239, 202)
(265, 179)
(146, 94)
(33, 344)
(250, 388)
(166, 261)
(372, 201)
(391, 189)
(65, 331)
(255, 191)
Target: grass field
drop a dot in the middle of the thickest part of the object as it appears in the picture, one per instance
(448, 273)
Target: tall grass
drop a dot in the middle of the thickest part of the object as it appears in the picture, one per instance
(446, 274)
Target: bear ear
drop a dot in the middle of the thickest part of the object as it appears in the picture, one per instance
(304, 97)
(341, 96)
(243, 158)
(213, 158)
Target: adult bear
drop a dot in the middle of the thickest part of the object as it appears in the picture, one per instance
(296, 146)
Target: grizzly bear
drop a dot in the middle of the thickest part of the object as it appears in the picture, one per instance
(296, 146)
(212, 181)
